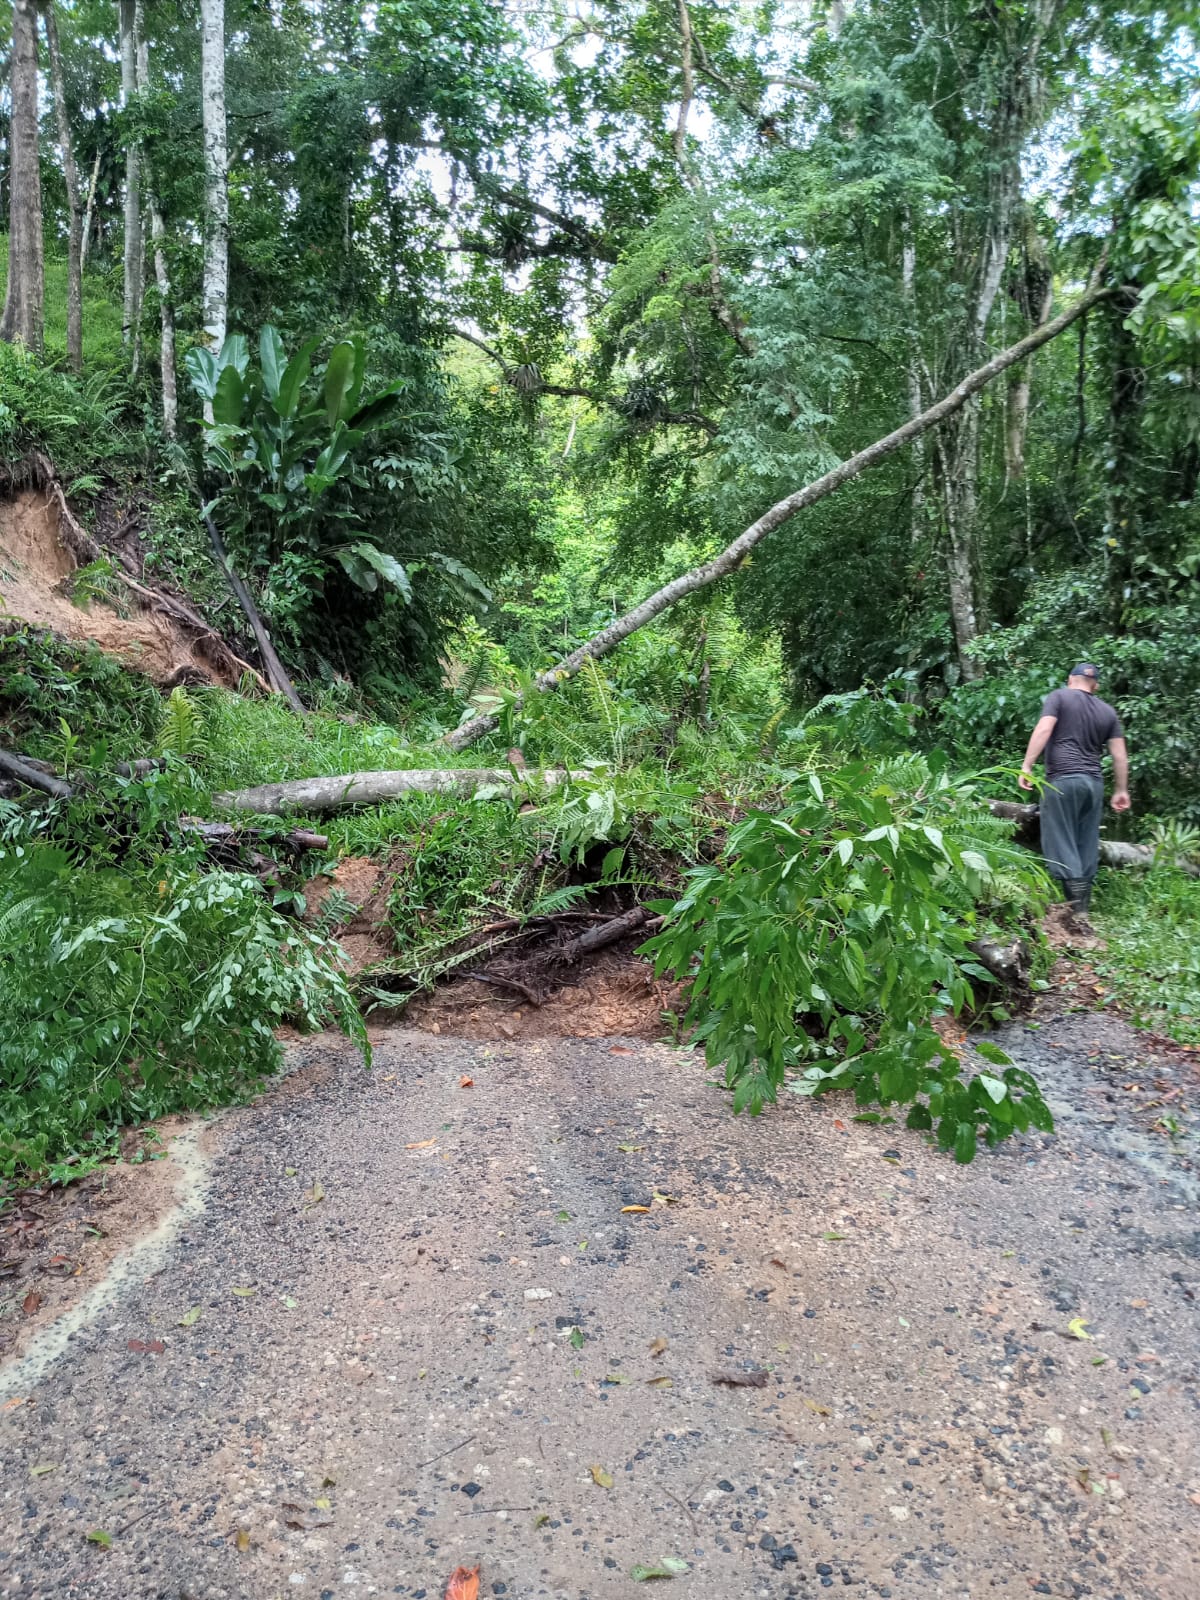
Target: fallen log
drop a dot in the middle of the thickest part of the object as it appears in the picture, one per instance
(1113, 852)
(607, 933)
(227, 834)
(33, 777)
(373, 788)
(1009, 963)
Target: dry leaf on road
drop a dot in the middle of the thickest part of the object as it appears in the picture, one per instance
(463, 1584)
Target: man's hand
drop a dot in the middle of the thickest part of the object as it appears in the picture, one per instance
(1025, 781)
(1120, 800)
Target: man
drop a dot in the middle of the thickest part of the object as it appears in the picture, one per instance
(1073, 730)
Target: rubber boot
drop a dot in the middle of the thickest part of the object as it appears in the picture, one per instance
(1079, 897)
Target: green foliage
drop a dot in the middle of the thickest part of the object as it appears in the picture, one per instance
(1151, 965)
(829, 935)
(43, 683)
(129, 992)
(182, 733)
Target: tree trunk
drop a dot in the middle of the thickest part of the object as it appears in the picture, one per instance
(21, 320)
(734, 554)
(277, 675)
(162, 277)
(130, 16)
(85, 242)
(216, 163)
(908, 282)
(74, 205)
(959, 452)
(310, 795)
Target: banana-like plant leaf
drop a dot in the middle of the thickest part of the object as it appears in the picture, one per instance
(357, 570)
(228, 397)
(203, 370)
(380, 406)
(354, 395)
(339, 382)
(388, 568)
(272, 359)
(235, 352)
(293, 379)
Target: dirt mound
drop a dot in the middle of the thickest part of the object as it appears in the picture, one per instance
(351, 906)
(147, 631)
(613, 996)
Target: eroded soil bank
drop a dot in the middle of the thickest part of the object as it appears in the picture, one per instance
(356, 1366)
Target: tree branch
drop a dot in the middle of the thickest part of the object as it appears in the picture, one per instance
(734, 554)
(682, 419)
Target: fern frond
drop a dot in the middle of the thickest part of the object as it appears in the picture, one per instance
(561, 899)
(182, 732)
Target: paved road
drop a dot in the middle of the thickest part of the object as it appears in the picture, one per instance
(404, 1391)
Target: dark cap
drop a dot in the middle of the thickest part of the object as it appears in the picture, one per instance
(1085, 669)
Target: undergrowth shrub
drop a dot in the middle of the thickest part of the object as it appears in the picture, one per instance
(1152, 964)
(829, 937)
(45, 684)
(133, 983)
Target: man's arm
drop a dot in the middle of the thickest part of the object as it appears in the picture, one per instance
(1120, 761)
(1038, 740)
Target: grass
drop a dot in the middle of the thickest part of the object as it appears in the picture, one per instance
(1151, 923)
(101, 313)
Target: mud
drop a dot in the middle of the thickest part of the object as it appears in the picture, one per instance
(35, 573)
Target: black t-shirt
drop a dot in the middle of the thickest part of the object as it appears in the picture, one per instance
(1085, 725)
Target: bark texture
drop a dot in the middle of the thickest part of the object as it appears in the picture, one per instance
(216, 170)
(373, 788)
(162, 277)
(734, 554)
(130, 16)
(22, 319)
(74, 201)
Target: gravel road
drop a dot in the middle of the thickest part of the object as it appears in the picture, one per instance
(403, 1322)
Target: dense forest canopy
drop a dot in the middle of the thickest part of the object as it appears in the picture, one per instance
(667, 262)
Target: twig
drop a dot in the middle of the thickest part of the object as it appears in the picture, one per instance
(490, 1511)
(506, 983)
(421, 1465)
(683, 1506)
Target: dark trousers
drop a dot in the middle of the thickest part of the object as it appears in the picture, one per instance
(1071, 808)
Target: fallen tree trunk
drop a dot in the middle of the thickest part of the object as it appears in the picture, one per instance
(733, 555)
(607, 933)
(1113, 852)
(372, 788)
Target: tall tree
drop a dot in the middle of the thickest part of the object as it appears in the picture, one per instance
(216, 170)
(130, 24)
(74, 201)
(162, 275)
(22, 317)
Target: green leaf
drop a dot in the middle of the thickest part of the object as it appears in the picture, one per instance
(576, 1339)
(272, 360)
(388, 568)
(203, 369)
(235, 353)
(190, 1318)
(293, 379)
(228, 398)
(379, 407)
(964, 1143)
(996, 1090)
(668, 1567)
(339, 382)
(993, 1053)
(98, 1536)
